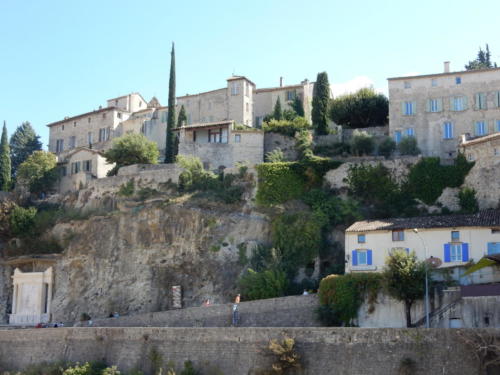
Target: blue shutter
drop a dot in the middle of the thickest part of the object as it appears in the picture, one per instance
(465, 252)
(407, 250)
(493, 248)
(354, 258)
(369, 257)
(447, 255)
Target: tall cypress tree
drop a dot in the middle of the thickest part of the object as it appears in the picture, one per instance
(278, 112)
(5, 165)
(298, 106)
(23, 143)
(182, 118)
(169, 144)
(321, 98)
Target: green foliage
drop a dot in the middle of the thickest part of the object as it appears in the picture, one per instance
(263, 284)
(242, 254)
(344, 294)
(297, 237)
(275, 156)
(182, 118)
(279, 182)
(405, 278)
(303, 144)
(169, 141)
(298, 106)
(320, 102)
(364, 108)
(428, 178)
(278, 112)
(286, 357)
(468, 200)
(44, 368)
(132, 149)
(286, 127)
(5, 164)
(335, 210)
(38, 172)
(387, 147)
(22, 220)
(146, 193)
(483, 60)
(23, 143)
(408, 146)
(88, 368)
(334, 149)
(362, 143)
(127, 189)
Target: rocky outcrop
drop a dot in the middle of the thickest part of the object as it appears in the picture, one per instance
(486, 182)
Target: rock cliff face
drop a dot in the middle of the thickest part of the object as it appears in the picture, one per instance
(128, 261)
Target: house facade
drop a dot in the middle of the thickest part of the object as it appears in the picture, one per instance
(452, 240)
(484, 151)
(438, 108)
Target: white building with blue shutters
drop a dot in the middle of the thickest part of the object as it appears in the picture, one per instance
(456, 240)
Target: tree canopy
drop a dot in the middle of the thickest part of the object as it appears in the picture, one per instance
(170, 140)
(23, 142)
(278, 112)
(182, 118)
(362, 109)
(5, 164)
(321, 99)
(482, 61)
(38, 172)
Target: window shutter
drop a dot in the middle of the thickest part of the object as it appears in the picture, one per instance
(413, 108)
(354, 258)
(497, 98)
(465, 252)
(439, 104)
(447, 255)
(429, 105)
(369, 257)
(491, 248)
(403, 108)
(465, 102)
(407, 250)
(452, 104)
(478, 101)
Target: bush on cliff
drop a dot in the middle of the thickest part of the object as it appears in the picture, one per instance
(269, 283)
(286, 127)
(38, 172)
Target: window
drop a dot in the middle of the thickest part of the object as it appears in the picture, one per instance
(410, 132)
(217, 135)
(448, 130)
(361, 238)
(493, 248)
(62, 128)
(480, 128)
(434, 82)
(247, 88)
(455, 235)
(407, 85)
(434, 105)
(104, 115)
(116, 101)
(458, 80)
(63, 171)
(89, 119)
(235, 88)
(237, 138)
(290, 95)
(87, 165)
(456, 252)
(75, 167)
(481, 100)
(409, 108)
(496, 152)
(398, 235)
(497, 98)
(470, 157)
(247, 107)
(89, 138)
(72, 142)
(361, 257)
(258, 121)
(59, 145)
(74, 124)
(119, 115)
(140, 104)
(458, 103)
(397, 136)
(104, 134)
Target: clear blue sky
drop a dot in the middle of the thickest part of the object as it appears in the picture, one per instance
(62, 58)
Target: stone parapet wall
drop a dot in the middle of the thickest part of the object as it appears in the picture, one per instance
(241, 351)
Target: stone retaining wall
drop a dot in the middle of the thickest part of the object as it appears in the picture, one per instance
(241, 351)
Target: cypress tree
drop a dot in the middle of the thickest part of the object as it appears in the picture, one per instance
(5, 165)
(23, 143)
(169, 144)
(298, 106)
(181, 120)
(278, 112)
(321, 98)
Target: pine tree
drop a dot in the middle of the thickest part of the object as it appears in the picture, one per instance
(182, 118)
(169, 144)
(5, 165)
(483, 60)
(23, 143)
(321, 98)
(298, 106)
(278, 112)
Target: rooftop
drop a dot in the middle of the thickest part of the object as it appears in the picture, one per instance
(105, 109)
(446, 74)
(280, 88)
(205, 125)
(488, 218)
(477, 140)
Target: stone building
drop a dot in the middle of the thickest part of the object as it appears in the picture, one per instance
(438, 108)
(452, 240)
(484, 151)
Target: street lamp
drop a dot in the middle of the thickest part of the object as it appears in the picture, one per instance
(415, 230)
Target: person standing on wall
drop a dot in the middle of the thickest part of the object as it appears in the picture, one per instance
(236, 314)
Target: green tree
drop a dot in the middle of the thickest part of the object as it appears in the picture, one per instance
(38, 172)
(269, 283)
(23, 143)
(169, 144)
(482, 61)
(362, 109)
(278, 112)
(298, 106)
(5, 164)
(321, 99)
(182, 119)
(22, 220)
(468, 200)
(408, 146)
(405, 278)
(362, 143)
(131, 149)
(303, 144)
(386, 147)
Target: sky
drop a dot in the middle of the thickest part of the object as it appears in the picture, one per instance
(62, 58)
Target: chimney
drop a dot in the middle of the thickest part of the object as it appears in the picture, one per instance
(446, 66)
(281, 81)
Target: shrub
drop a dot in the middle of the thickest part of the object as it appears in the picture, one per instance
(362, 143)
(386, 147)
(279, 182)
(408, 146)
(303, 144)
(287, 359)
(275, 156)
(268, 283)
(22, 220)
(127, 189)
(286, 127)
(88, 368)
(38, 172)
(335, 210)
(334, 149)
(468, 201)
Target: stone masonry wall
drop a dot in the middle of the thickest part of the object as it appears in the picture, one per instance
(273, 141)
(241, 351)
